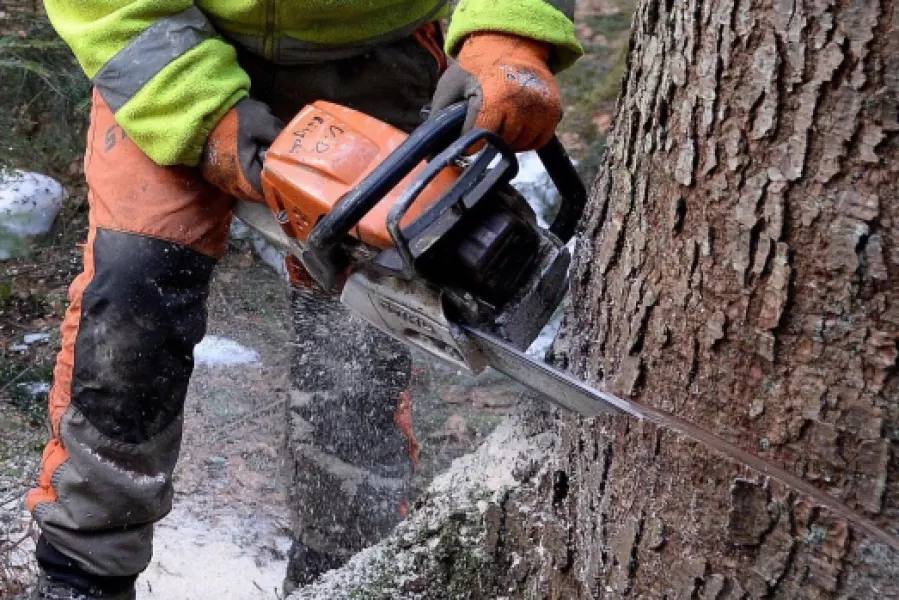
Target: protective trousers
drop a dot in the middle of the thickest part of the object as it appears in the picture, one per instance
(139, 307)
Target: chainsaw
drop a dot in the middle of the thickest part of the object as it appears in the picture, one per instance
(422, 240)
(429, 242)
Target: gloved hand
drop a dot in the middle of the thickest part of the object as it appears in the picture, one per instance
(234, 151)
(509, 87)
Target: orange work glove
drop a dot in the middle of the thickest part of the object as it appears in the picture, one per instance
(509, 88)
(234, 151)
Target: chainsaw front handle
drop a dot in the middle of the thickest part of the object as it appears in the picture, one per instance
(571, 187)
(476, 181)
(322, 255)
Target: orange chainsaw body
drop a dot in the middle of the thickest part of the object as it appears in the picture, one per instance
(323, 154)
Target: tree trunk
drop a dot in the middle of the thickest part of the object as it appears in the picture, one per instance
(739, 267)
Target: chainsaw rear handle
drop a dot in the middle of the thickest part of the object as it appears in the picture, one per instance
(322, 256)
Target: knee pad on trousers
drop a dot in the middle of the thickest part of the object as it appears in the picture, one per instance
(142, 313)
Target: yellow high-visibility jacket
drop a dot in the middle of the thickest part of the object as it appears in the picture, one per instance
(168, 68)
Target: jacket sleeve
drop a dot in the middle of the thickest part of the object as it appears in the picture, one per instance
(160, 67)
(550, 21)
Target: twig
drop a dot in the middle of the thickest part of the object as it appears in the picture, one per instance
(15, 379)
(15, 495)
(231, 426)
(10, 547)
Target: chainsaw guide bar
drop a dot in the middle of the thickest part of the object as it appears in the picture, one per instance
(574, 395)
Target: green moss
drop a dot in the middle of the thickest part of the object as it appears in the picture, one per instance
(458, 557)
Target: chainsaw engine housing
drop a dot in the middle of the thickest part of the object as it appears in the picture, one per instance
(419, 235)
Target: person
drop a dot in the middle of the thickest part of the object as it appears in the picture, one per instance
(187, 97)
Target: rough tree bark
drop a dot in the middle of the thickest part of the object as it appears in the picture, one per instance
(739, 267)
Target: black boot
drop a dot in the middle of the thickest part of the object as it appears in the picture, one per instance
(50, 589)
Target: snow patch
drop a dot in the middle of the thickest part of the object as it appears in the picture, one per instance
(29, 203)
(215, 351)
(35, 388)
(269, 254)
(534, 183)
(547, 336)
(29, 339)
(239, 230)
(36, 338)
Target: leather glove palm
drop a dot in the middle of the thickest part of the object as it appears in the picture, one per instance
(234, 151)
(509, 87)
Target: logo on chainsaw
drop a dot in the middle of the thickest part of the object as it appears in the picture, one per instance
(407, 316)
